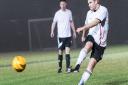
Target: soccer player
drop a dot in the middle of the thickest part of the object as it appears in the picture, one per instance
(96, 24)
(63, 18)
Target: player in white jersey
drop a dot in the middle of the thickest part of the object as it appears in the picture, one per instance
(96, 24)
(63, 18)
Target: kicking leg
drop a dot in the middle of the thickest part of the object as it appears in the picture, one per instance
(83, 54)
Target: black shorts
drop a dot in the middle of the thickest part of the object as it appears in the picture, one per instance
(97, 50)
(64, 42)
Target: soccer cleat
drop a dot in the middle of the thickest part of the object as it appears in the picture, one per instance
(81, 82)
(68, 70)
(76, 68)
(59, 70)
(76, 71)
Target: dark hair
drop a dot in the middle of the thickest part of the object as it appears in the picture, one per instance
(63, 0)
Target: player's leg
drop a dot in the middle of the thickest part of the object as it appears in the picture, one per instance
(60, 53)
(83, 53)
(96, 56)
(67, 56)
(60, 59)
(88, 71)
(67, 53)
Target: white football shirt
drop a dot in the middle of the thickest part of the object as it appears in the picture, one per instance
(63, 19)
(100, 31)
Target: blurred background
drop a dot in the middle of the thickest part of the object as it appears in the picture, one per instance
(25, 24)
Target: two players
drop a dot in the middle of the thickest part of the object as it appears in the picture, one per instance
(96, 24)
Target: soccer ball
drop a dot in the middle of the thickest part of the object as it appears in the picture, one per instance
(19, 63)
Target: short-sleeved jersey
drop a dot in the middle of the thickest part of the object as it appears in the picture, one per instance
(63, 19)
(100, 31)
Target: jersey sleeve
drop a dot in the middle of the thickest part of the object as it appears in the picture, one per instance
(70, 18)
(55, 18)
(101, 14)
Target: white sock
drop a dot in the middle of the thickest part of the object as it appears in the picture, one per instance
(85, 77)
(82, 56)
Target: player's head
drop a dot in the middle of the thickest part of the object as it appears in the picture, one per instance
(63, 4)
(93, 4)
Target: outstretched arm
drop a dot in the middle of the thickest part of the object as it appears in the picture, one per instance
(89, 25)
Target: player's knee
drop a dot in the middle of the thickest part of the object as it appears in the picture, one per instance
(88, 46)
(60, 52)
(67, 50)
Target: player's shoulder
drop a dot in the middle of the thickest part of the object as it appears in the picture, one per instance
(89, 12)
(68, 10)
(58, 11)
(103, 8)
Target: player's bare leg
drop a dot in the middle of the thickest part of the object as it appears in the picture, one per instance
(88, 71)
(60, 59)
(67, 56)
(83, 53)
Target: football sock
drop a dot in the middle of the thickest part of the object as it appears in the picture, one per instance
(60, 59)
(82, 56)
(85, 77)
(67, 61)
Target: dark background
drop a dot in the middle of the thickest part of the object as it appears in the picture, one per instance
(16, 14)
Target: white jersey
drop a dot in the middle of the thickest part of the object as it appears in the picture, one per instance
(100, 31)
(63, 19)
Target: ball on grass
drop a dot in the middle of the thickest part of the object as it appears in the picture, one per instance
(19, 63)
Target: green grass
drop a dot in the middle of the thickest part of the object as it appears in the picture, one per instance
(42, 69)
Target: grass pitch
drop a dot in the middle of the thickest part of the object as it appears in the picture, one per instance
(41, 69)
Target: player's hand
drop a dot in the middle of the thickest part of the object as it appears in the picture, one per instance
(82, 39)
(79, 30)
(52, 35)
(74, 35)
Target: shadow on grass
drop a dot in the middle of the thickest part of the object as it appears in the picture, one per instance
(117, 82)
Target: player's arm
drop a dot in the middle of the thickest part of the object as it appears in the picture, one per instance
(84, 33)
(73, 28)
(83, 36)
(89, 25)
(72, 25)
(53, 25)
(100, 16)
(52, 29)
